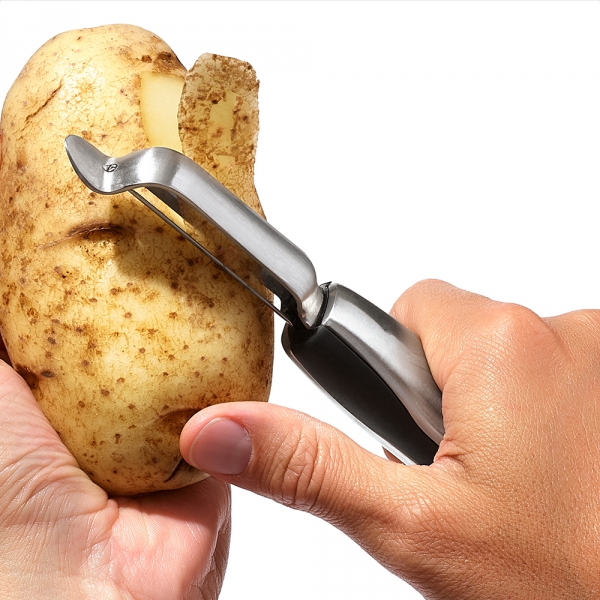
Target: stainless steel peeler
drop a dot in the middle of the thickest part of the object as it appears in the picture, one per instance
(372, 365)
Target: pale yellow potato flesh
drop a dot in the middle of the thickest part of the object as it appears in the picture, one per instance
(121, 328)
(160, 94)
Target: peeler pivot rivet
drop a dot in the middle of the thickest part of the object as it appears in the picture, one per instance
(109, 168)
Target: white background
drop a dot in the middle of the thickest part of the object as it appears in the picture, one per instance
(399, 141)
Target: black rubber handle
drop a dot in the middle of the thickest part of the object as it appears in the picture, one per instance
(358, 389)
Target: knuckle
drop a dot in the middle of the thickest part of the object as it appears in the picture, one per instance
(513, 329)
(298, 479)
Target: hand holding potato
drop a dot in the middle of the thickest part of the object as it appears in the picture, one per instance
(62, 537)
(511, 506)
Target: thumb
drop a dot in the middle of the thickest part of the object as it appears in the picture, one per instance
(303, 463)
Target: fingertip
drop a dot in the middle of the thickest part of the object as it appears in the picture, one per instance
(222, 446)
(218, 433)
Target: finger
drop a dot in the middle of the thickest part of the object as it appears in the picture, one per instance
(304, 464)
(446, 319)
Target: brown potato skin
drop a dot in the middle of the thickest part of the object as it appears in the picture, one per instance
(121, 328)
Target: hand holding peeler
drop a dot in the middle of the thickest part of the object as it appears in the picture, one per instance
(368, 362)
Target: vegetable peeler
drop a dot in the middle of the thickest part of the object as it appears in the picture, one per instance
(368, 362)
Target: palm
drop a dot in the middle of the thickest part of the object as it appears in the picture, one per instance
(78, 542)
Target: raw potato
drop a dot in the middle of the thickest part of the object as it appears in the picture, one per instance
(121, 328)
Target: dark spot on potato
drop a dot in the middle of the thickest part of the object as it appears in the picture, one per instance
(48, 374)
(127, 315)
(142, 350)
(81, 404)
(146, 59)
(104, 392)
(165, 56)
(172, 423)
(131, 406)
(52, 340)
(159, 229)
(85, 363)
(87, 229)
(172, 315)
(121, 380)
(93, 299)
(28, 374)
(117, 438)
(118, 458)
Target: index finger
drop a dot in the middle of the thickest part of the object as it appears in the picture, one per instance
(446, 319)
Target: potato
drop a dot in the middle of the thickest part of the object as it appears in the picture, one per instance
(121, 328)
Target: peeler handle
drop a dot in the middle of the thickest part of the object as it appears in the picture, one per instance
(375, 368)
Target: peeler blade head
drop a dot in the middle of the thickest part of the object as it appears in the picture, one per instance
(183, 185)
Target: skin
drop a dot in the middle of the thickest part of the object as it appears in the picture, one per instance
(509, 509)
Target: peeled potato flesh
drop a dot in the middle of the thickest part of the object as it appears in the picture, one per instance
(121, 328)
